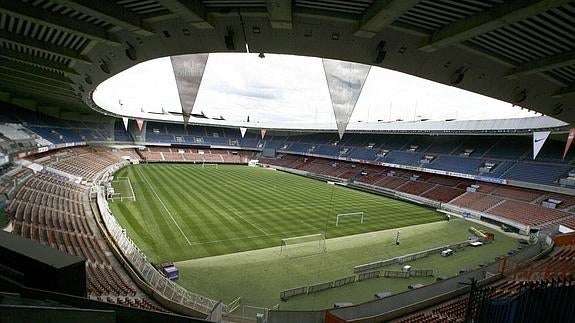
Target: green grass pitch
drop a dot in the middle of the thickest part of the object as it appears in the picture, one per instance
(186, 211)
(219, 225)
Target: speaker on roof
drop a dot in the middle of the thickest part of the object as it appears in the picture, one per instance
(229, 39)
(380, 52)
(520, 96)
(104, 67)
(131, 52)
(457, 76)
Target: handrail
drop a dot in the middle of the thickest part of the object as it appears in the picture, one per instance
(138, 261)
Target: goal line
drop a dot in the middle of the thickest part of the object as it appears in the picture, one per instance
(353, 214)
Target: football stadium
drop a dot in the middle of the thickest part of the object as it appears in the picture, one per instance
(278, 161)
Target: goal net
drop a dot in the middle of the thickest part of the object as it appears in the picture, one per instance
(207, 165)
(341, 216)
(302, 246)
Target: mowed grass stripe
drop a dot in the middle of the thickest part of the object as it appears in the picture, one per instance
(224, 211)
(168, 212)
(228, 228)
(268, 224)
(209, 220)
(228, 209)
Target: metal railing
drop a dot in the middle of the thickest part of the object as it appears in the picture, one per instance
(157, 281)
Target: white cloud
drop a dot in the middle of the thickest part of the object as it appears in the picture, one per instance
(293, 89)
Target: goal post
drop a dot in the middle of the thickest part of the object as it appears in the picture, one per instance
(301, 246)
(353, 214)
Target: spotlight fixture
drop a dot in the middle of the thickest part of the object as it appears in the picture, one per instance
(104, 67)
(131, 52)
(457, 76)
(520, 97)
(261, 55)
(557, 109)
(380, 52)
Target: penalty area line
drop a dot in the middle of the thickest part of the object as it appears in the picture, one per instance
(164, 205)
(248, 222)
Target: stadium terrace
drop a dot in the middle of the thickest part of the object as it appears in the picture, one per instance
(112, 212)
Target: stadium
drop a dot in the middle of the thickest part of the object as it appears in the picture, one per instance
(144, 178)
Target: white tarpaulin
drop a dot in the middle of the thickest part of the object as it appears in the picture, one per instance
(345, 81)
(188, 71)
(539, 138)
(569, 141)
(4, 159)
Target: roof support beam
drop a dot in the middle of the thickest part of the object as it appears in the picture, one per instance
(110, 12)
(43, 47)
(33, 91)
(280, 13)
(57, 21)
(36, 94)
(191, 11)
(381, 14)
(27, 80)
(486, 21)
(36, 61)
(33, 71)
(543, 64)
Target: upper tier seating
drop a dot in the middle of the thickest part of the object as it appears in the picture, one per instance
(451, 152)
(537, 173)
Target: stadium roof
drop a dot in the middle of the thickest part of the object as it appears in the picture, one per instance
(284, 89)
(53, 53)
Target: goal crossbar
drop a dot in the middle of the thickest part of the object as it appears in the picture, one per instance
(302, 239)
(309, 244)
(341, 215)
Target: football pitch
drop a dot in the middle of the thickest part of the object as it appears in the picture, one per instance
(223, 227)
(185, 211)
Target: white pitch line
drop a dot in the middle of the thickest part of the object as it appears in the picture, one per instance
(309, 225)
(253, 225)
(164, 205)
(248, 237)
(131, 189)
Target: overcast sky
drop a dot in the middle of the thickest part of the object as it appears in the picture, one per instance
(293, 89)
